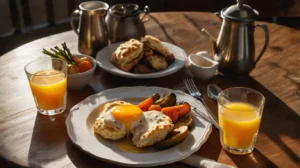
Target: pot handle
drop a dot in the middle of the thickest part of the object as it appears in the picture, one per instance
(265, 28)
(146, 12)
(74, 14)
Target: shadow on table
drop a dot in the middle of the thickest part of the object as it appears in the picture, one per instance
(112, 81)
(255, 159)
(50, 135)
(6, 163)
(212, 147)
(82, 160)
(48, 140)
(278, 121)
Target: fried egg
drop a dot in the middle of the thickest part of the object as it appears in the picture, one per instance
(116, 118)
(107, 126)
(120, 119)
(127, 114)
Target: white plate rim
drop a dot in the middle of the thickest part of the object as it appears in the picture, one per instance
(156, 163)
(179, 54)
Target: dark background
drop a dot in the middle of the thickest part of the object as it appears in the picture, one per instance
(24, 20)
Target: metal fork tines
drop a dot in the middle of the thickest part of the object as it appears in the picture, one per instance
(192, 88)
(193, 91)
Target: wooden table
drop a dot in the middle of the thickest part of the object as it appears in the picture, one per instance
(30, 139)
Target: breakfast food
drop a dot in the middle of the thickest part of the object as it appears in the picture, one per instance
(157, 122)
(143, 68)
(153, 127)
(75, 64)
(145, 56)
(157, 62)
(128, 55)
(186, 120)
(174, 137)
(107, 126)
(156, 45)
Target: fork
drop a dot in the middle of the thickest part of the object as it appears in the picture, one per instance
(193, 91)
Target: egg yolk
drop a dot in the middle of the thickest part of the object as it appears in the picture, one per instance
(127, 114)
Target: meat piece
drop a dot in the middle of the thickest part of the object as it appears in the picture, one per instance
(170, 59)
(143, 68)
(157, 62)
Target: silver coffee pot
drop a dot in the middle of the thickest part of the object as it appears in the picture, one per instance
(235, 48)
(124, 22)
(92, 29)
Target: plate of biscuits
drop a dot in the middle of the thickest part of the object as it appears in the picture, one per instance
(138, 126)
(145, 58)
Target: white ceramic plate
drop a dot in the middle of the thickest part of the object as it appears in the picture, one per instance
(103, 59)
(82, 116)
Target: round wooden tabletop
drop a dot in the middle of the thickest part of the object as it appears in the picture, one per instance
(30, 139)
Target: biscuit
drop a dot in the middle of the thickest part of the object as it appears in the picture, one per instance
(153, 128)
(127, 55)
(156, 45)
(103, 129)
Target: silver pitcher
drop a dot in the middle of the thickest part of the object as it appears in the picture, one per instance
(235, 48)
(92, 30)
(124, 22)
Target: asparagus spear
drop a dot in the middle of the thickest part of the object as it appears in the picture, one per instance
(63, 53)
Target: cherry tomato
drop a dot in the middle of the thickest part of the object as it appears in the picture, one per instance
(85, 66)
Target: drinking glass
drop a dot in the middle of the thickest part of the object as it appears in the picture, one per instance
(48, 82)
(240, 110)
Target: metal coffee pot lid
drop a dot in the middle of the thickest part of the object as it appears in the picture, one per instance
(124, 10)
(240, 12)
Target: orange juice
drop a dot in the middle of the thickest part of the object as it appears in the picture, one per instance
(49, 88)
(239, 123)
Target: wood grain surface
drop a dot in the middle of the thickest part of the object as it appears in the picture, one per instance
(28, 139)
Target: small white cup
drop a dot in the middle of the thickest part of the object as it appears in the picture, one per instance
(202, 66)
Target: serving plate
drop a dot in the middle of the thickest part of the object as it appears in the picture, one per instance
(82, 117)
(103, 60)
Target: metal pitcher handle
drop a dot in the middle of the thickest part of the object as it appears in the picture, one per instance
(146, 12)
(265, 28)
(74, 14)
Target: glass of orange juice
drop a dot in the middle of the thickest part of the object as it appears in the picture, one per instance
(48, 82)
(240, 110)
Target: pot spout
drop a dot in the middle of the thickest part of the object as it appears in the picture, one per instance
(212, 39)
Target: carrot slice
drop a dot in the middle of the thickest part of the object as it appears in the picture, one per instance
(174, 115)
(184, 109)
(175, 112)
(144, 105)
(156, 107)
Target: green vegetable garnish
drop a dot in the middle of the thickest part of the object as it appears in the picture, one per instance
(63, 53)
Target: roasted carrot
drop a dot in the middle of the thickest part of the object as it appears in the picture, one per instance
(156, 107)
(174, 115)
(179, 110)
(184, 109)
(144, 105)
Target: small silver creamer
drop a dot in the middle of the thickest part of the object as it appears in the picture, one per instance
(235, 48)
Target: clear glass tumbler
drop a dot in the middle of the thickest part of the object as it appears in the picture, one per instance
(48, 82)
(240, 110)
